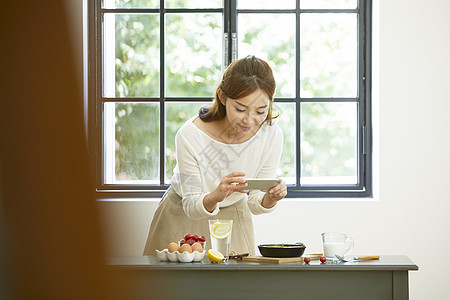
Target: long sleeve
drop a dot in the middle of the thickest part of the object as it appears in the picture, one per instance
(267, 170)
(202, 162)
(190, 181)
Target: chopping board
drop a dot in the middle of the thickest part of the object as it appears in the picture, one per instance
(280, 260)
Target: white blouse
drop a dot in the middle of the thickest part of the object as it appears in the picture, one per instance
(202, 162)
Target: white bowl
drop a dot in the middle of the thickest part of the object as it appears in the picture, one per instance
(185, 256)
(162, 255)
(172, 256)
(199, 255)
(176, 256)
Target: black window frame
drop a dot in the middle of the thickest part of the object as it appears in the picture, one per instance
(230, 12)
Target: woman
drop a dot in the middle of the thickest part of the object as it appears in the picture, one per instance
(232, 139)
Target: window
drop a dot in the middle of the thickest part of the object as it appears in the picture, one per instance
(153, 63)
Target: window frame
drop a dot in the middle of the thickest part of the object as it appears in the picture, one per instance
(230, 14)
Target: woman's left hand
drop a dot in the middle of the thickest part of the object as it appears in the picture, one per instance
(275, 194)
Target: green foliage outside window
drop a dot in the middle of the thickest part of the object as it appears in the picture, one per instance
(327, 132)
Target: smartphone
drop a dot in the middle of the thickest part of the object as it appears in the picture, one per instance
(260, 183)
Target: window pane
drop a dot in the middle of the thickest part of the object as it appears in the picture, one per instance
(266, 4)
(193, 54)
(131, 143)
(328, 55)
(328, 143)
(271, 37)
(176, 115)
(193, 3)
(286, 121)
(131, 3)
(131, 55)
(328, 4)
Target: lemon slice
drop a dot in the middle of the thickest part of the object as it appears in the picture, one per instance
(220, 230)
(215, 256)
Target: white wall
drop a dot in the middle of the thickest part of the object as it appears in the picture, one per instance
(408, 214)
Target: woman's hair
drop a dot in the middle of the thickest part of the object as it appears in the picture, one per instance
(240, 79)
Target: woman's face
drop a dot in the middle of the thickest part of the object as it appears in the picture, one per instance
(248, 113)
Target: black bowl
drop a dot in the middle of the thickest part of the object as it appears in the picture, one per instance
(282, 250)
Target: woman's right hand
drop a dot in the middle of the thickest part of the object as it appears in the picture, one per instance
(229, 184)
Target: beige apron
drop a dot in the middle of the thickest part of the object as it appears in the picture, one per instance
(170, 224)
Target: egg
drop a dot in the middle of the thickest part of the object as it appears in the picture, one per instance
(197, 247)
(173, 247)
(185, 247)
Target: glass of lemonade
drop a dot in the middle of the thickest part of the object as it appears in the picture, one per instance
(220, 231)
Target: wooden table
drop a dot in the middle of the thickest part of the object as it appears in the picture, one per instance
(148, 278)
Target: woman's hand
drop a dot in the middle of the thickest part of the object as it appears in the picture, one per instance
(229, 184)
(275, 194)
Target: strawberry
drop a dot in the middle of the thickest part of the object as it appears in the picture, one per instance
(195, 238)
(187, 236)
(201, 238)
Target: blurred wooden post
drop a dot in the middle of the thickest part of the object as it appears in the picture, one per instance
(52, 241)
